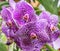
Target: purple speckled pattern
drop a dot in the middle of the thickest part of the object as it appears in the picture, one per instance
(29, 31)
(23, 8)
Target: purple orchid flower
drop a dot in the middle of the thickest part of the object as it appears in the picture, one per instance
(24, 13)
(35, 32)
(32, 38)
(51, 18)
(52, 28)
(10, 25)
(12, 15)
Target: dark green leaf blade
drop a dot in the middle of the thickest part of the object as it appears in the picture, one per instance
(3, 47)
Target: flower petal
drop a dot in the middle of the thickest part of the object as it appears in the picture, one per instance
(45, 15)
(12, 3)
(54, 19)
(21, 11)
(54, 36)
(6, 14)
(56, 44)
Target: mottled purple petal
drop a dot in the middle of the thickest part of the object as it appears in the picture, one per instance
(5, 30)
(55, 35)
(54, 19)
(22, 9)
(6, 14)
(45, 15)
(42, 24)
(25, 35)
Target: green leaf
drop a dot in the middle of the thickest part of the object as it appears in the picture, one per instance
(49, 5)
(43, 50)
(34, 0)
(3, 47)
(28, 1)
(50, 48)
(3, 3)
(37, 11)
(58, 11)
(59, 25)
(3, 38)
(56, 3)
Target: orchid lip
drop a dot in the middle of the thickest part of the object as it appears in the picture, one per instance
(9, 23)
(26, 17)
(33, 36)
(53, 28)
